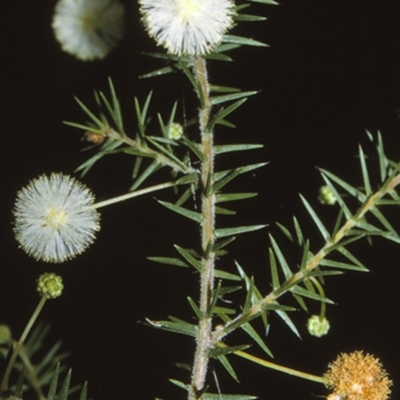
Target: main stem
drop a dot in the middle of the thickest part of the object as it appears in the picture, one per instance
(203, 340)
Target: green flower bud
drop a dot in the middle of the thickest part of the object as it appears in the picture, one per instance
(5, 334)
(175, 131)
(50, 285)
(326, 196)
(318, 326)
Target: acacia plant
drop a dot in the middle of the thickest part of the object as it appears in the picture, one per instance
(56, 216)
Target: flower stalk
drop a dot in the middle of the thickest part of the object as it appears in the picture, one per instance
(20, 342)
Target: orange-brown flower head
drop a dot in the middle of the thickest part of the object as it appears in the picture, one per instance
(357, 376)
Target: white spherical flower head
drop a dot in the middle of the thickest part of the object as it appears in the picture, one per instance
(187, 27)
(88, 29)
(53, 218)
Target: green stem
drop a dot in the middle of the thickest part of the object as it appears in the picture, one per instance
(17, 346)
(130, 195)
(281, 368)
(203, 339)
(298, 277)
(148, 152)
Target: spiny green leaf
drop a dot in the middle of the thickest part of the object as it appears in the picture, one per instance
(153, 167)
(83, 395)
(282, 261)
(179, 384)
(96, 120)
(274, 270)
(53, 384)
(248, 18)
(288, 322)
(224, 232)
(220, 244)
(342, 265)
(346, 186)
(315, 218)
(168, 261)
(224, 211)
(158, 72)
(228, 148)
(232, 96)
(220, 396)
(306, 293)
(227, 365)
(364, 170)
(305, 255)
(257, 338)
(343, 207)
(299, 233)
(242, 41)
(194, 147)
(189, 257)
(225, 350)
(223, 310)
(195, 308)
(63, 395)
(270, 2)
(224, 177)
(224, 89)
(223, 112)
(285, 231)
(181, 327)
(225, 197)
(193, 215)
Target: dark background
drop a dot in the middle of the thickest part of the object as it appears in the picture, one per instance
(331, 71)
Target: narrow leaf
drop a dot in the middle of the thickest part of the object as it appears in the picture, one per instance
(242, 41)
(224, 197)
(168, 261)
(232, 96)
(181, 327)
(282, 261)
(224, 232)
(188, 256)
(315, 218)
(193, 215)
(364, 171)
(228, 148)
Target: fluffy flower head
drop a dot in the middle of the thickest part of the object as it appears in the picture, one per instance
(53, 218)
(88, 29)
(187, 27)
(357, 376)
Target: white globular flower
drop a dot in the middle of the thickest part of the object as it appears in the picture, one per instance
(88, 29)
(187, 27)
(54, 220)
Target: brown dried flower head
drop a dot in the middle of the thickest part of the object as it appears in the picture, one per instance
(357, 376)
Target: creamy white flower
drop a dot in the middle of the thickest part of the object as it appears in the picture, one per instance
(53, 218)
(187, 27)
(88, 29)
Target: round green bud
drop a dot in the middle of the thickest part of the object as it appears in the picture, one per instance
(50, 285)
(175, 131)
(318, 326)
(326, 196)
(5, 334)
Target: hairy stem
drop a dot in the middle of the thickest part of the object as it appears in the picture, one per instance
(203, 340)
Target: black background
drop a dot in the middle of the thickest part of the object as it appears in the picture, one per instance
(331, 71)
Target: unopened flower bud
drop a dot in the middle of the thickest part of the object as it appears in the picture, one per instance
(326, 196)
(318, 326)
(50, 285)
